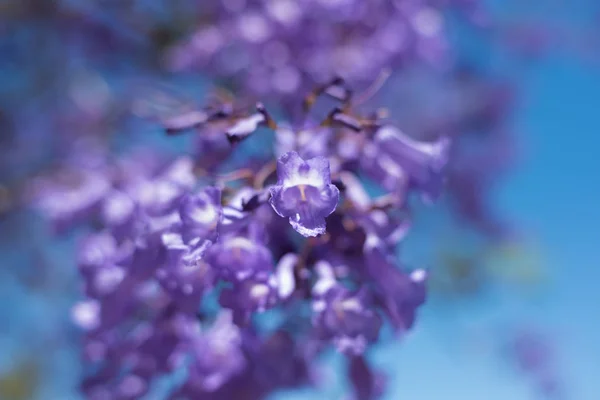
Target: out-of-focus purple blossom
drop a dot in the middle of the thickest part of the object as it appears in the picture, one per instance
(279, 360)
(304, 193)
(200, 215)
(186, 277)
(368, 384)
(239, 257)
(342, 316)
(251, 295)
(285, 47)
(399, 293)
(218, 355)
(80, 194)
(399, 162)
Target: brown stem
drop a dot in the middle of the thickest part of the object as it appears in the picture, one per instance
(263, 174)
(240, 174)
(374, 88)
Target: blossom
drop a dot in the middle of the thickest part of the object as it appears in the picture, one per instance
(200, 215)
(399, 293)
(218, 354)
(341, 315)
(304, 193)
(249, 296)
(400, 163)
(237, 257)
(366, 382)
(261, 39)
(186, 277)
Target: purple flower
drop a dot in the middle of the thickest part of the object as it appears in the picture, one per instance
(200, 215)
(73, 196)
(237, 257)
(260, 40)
(400, 294)
(342, 316)
(186, 276)
(118, 212)
(102, 263)
(217, 355)
(248, 296)
(159, 195)
(280, 361)
(286, 281)
(367, 383)
(400, 163)
(304, 193)
(311, 140)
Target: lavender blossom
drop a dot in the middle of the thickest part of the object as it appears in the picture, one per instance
(262, 38)
(367, 383)
(342, 316)
(238, 257)
(200, 216)
(304, 193)
(399, 293)
(218, 355)
(398, 162)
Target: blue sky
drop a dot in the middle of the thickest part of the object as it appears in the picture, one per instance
(553, 195)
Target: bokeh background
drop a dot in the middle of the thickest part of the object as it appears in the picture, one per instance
(543, 285)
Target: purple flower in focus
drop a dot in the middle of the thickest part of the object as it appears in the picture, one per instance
(304, 193)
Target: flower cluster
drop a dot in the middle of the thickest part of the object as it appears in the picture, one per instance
(286, 46)
(274, 49)
(299, 235)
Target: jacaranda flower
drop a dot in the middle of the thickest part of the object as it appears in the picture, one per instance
(304, 193)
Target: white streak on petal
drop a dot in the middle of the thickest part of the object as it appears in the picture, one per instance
(285, 275)
(246, 126)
